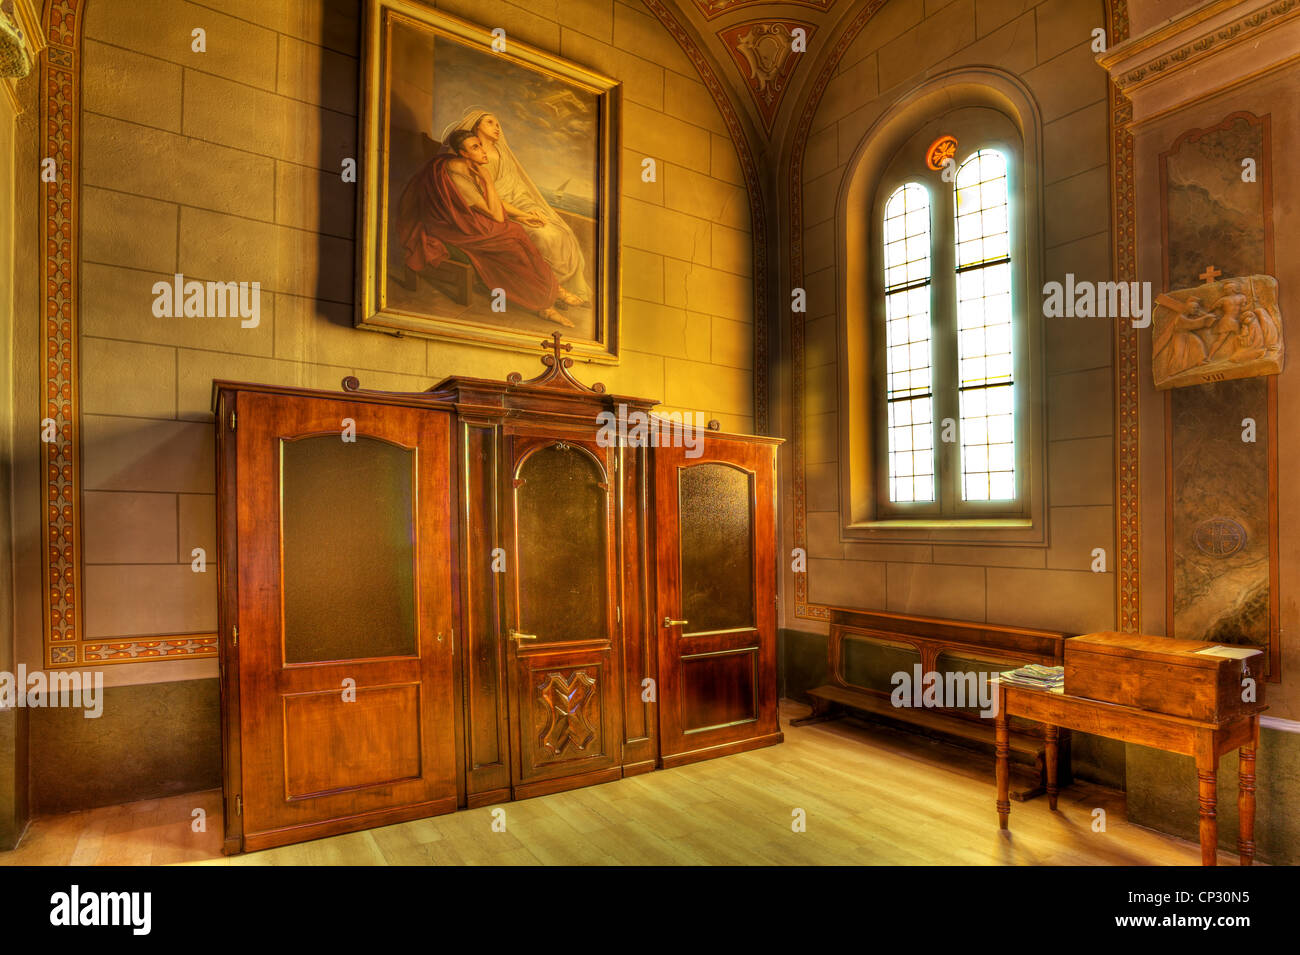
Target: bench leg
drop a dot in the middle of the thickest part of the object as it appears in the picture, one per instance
(822, 711)
(1003, 769)
(1053, 734)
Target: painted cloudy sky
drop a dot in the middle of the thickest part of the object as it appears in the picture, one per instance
(551, 127)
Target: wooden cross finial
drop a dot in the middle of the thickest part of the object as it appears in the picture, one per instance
(556, 372)
(557, 346)
(1209, 275)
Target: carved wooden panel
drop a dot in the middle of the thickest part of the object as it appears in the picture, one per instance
(568, 714)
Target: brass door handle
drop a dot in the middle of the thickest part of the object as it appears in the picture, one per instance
(670, 622)
(517, 635)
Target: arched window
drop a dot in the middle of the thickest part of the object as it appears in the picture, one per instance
(909, 368)
(947, 297)
(985, 373)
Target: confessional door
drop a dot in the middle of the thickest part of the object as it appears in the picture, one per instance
(345, 642)
(562, 633)
(715, 538)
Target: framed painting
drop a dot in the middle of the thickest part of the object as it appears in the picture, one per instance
(488, 208)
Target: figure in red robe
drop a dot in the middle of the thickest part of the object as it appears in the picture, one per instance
(451, 201)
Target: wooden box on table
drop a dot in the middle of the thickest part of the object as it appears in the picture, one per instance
(1164, 675)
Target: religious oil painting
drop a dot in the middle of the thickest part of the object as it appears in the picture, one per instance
(488, 208)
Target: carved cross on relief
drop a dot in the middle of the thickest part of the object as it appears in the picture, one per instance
(1210, 274)
(564, 701)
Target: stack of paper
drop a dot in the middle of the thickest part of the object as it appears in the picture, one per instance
(1037, 676)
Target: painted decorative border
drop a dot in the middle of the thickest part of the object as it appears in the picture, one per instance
(757, 212)
(60, 398)
(716, 9)
(1128, 522)
(60, 458)
(1124, 226)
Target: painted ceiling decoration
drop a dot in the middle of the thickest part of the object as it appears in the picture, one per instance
(754, 53)
(764, 51)
(715, 8)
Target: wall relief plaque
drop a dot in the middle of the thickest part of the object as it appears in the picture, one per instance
(1216, 332)
(1219, 537)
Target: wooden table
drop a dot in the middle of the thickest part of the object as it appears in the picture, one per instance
(1204, 741)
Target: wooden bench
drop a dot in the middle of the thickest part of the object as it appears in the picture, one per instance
(994, 648)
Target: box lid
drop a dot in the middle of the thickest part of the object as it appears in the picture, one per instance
(1163, 649)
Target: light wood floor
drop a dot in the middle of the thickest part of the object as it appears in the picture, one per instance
(871, 797)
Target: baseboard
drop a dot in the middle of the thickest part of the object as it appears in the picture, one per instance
(722, 749)
(544, 787)
(271, 838)
(489, 798)
(18, 838)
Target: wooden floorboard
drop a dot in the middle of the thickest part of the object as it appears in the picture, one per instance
(870, 795)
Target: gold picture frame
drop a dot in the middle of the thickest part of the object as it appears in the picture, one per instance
(428, 75)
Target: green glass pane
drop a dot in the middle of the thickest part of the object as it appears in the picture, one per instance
(560, 509)
(347, 524)
(871, 664)
(717, 547)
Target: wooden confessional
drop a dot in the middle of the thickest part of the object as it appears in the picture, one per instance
(468, 595)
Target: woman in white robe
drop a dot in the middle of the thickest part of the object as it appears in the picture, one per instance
(553, 237)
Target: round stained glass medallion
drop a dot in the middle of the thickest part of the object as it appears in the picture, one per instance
(940, 151)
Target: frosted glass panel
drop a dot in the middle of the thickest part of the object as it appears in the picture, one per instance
(984, 328)
(562, 567)
(717, 548)
(908, 363)
(347, 524)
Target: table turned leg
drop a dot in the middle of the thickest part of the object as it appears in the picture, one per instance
(1053, 734)
(1207, 771)
(1246, 795)
(1003, 753)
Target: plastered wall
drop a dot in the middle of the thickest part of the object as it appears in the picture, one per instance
(224, 165)
(1047, 47)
